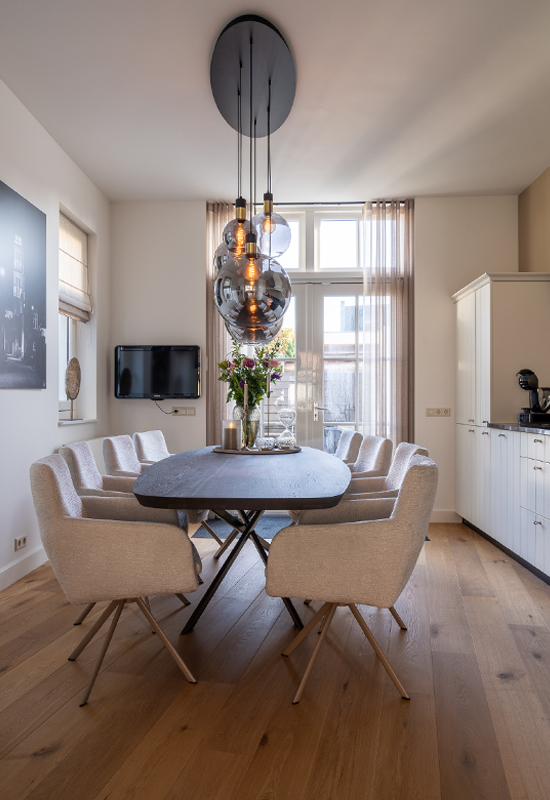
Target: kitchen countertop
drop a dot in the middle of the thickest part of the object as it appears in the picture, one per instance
(513, 426)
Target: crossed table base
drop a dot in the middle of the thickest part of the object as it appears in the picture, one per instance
(246, 527)
(199, 479)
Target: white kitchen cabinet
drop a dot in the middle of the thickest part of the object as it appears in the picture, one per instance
(466, 360)
(502, 477)
(498, 333)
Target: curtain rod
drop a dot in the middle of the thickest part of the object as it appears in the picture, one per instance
(344, 203)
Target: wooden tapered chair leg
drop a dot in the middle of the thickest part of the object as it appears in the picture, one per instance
(376, 647)
(326, 625)
(211, 532)
(84, 614)
(166, 642)
(231, 538)
(308, 628)
(183, 599)
(397, 618)
(106, 643)
(92, 632)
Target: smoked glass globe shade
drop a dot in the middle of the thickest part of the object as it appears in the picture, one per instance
(234, 235)
(254, 336)
(273, 232)
(252, 296)
(221, 258)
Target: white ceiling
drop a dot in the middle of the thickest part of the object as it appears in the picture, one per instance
(396, 98)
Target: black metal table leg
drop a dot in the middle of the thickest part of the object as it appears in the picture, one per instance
(220, 575)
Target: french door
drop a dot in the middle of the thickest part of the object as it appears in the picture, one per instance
(322, 363)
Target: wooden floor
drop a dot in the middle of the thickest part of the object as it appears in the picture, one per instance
(475, 660)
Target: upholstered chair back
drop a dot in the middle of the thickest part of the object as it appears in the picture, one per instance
(411, 513)
(150, 446)
(82, 466)
(348, 445)
(119, 455)
(374, 456)
(403, 454)
(55, 501)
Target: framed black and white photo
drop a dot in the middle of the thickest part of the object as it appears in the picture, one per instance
(22, 293)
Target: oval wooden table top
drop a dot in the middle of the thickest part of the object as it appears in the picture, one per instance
(203, 479)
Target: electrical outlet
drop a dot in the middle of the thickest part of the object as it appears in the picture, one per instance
(18, 544)
(183, 411)
(438, 412)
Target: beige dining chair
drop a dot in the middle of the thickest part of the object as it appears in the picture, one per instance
(119, 455)
(109, 558)
(389, 485)
(87, 479)
(366, 562)
(348, 446)
(150, 446)
(374, 457)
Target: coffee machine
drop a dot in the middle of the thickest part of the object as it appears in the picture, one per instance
(539, 400)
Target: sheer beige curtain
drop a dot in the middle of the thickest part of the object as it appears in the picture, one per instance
(388, 332)
(218, 341)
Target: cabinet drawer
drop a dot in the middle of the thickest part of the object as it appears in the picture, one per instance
(537, 447)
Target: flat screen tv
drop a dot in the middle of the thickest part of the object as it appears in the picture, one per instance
(157, 372)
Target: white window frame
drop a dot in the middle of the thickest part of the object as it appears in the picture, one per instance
(310, 217)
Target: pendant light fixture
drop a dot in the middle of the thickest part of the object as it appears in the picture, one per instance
(252, 290)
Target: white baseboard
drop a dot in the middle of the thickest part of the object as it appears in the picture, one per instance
(18, 569)
(445, 515)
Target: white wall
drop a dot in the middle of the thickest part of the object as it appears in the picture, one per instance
(33, 165)
(456, 240)
(159, 297)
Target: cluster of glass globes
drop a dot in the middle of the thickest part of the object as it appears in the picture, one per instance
(252, 290)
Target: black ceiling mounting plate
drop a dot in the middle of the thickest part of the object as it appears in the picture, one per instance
(271, 59)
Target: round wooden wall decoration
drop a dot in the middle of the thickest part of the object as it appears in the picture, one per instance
(72, 379)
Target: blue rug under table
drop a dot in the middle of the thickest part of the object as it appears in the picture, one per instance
(267, 527)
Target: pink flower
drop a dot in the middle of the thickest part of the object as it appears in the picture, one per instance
(248, 363)
(273, 362)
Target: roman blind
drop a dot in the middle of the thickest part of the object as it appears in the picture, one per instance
(74, 296)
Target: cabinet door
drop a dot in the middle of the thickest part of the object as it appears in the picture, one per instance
(466, 357)
(465, 501)
(483, 356)
(504, 525)
(482, 478)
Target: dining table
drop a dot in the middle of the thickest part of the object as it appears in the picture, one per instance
(239, 488)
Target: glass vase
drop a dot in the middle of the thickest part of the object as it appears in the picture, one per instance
(251, 424)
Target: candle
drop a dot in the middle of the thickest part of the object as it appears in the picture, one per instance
(231, 434)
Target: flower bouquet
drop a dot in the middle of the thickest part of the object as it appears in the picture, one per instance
(257, 374)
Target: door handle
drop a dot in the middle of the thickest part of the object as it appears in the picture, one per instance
(316, 409)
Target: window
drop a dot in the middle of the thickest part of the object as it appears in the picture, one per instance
(324, 240)
(74, 295)
(74, 306)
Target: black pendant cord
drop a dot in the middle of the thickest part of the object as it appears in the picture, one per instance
(250, 131)
(269, 138)
(254, 205)
(240, 136)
